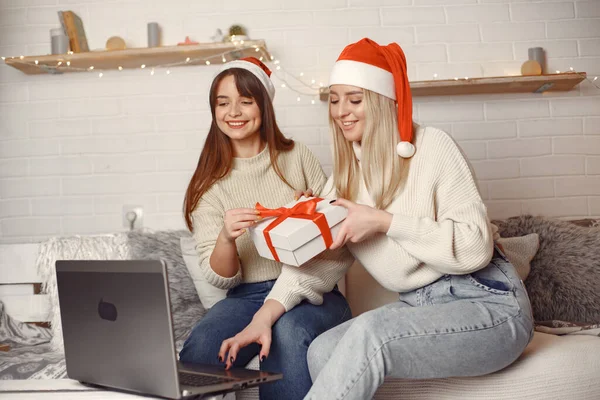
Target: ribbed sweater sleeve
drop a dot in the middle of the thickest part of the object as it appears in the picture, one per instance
(312, 279)
(207, 222)
(459, 240)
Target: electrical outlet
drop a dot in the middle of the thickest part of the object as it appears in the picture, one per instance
(133, 216)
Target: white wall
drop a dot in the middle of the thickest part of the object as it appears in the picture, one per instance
(75, 148)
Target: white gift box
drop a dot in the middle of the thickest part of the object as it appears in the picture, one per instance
(297, 240)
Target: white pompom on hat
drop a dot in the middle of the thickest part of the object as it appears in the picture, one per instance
(381, 69)
(258, 69)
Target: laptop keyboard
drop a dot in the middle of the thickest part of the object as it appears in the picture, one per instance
(201, 380)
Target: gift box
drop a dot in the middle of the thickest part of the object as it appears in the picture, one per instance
(298, 231)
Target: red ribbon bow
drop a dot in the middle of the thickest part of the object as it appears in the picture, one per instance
(304, 210)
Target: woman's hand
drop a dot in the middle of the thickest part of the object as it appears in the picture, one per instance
(257, 331)
(300, 193)
(237, 221)
(362, 221)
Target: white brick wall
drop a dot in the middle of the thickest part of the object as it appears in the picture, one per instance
(75, 148)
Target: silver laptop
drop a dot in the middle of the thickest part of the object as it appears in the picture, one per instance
(118, 332)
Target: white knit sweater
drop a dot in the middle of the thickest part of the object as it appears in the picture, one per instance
(439, 226)
(253, 180)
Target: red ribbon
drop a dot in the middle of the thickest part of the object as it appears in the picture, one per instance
(304, 210)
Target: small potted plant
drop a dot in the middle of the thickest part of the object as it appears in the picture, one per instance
(236, 33)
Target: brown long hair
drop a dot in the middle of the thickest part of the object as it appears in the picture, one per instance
(216, 157)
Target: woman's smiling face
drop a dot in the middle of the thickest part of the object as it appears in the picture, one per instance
(346, 107)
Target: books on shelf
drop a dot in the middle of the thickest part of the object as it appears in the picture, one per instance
(73, 27)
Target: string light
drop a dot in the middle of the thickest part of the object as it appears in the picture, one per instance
(303, 89)
(592, 81)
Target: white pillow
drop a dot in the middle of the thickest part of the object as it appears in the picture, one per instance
(209, 295)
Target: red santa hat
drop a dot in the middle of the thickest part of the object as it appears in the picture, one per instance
(258, 69)
(381, 69)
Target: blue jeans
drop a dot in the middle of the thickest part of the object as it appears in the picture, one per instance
(291, 336)
(459, 325)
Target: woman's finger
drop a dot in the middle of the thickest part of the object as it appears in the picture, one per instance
(297, 194)
(238, 211)
(344, 203)
(224, 349)
(340, 239)
(246, 217)
(233, 352)
(265, 348)
(238, 226)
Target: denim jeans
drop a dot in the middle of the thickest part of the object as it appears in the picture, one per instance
(459, 325)
(291, 336)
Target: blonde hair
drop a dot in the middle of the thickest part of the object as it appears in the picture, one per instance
(382, 168)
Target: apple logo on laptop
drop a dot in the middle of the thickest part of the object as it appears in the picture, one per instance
(107, 311)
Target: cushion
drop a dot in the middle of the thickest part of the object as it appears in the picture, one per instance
(209, 295)
(565, 272)
(185, 304)
(519, 250)
(103, 247)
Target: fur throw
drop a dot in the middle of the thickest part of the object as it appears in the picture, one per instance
(185, 304)
(564, 282)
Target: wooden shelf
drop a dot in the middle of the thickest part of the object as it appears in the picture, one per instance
(501, 84)
(134, 58)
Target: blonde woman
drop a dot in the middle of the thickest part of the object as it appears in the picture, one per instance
(417, 223)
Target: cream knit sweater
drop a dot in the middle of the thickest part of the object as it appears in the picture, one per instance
(439, 226)
(253, 180)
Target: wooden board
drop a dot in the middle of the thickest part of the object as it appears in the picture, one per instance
(135, 58)
(501, 84)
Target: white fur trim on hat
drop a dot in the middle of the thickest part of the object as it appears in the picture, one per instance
(405, 149)
(256, 70)
(363, 75)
